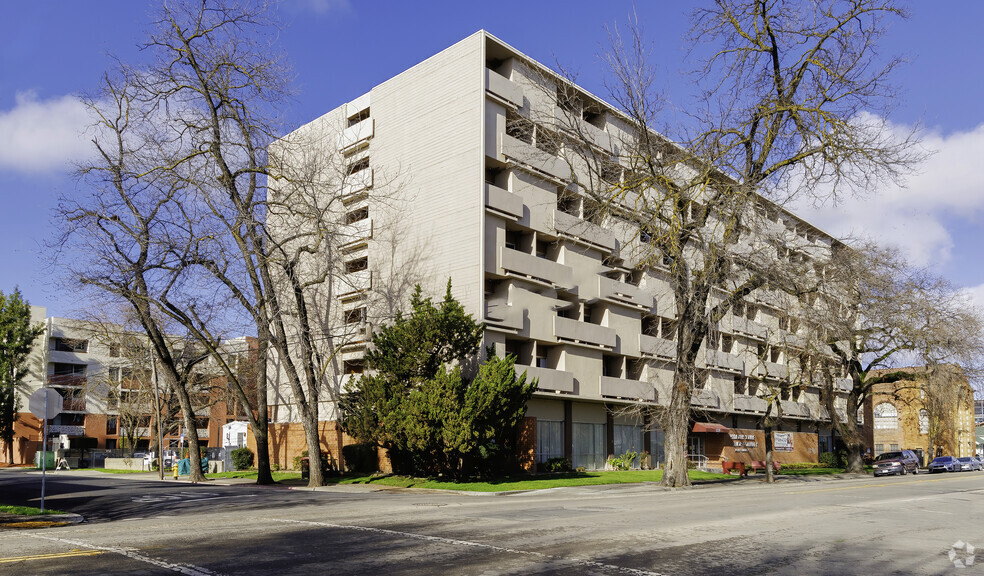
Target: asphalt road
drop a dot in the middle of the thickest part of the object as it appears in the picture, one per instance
(899, 525)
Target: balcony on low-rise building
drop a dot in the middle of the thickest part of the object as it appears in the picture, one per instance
(516, 263)
(624, 293)
(657, 347)
(843, 384)
(503, 89)
(627, 389)
(356, 135)
(577, 332)
(499, 314)
(776, 371)
(354, 282)
(548, 379)
(572, 122)
(503, 202)
(750, 328)
(724, 361)
(358, 232)
(356, 183)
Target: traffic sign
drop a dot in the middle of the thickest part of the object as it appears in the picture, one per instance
(42, 409)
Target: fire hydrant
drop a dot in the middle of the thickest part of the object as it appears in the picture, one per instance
(174, 467)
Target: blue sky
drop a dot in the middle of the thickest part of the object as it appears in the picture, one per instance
(53, 51)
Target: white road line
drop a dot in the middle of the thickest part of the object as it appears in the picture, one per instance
(577, 561)
(186, 569)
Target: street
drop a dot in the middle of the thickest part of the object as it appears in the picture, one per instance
(894, 525)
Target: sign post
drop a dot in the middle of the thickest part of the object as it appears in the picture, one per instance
(45, 403)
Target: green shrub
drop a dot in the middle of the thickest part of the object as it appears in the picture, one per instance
(297, 460)
(804, 466)
(275, 467)
(242, 458)
(360, 458)
(622, 462)
(558, 464)
(829, 460)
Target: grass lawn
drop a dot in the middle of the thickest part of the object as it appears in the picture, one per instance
(277, 476)
(116, 471)
(526, 482)
(26, 510)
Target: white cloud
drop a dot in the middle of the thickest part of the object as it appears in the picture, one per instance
(975, 294)
(43, 135)
(947, 188)
(327, 6)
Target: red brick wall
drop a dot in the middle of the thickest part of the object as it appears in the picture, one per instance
(526, 444)
(27, 440)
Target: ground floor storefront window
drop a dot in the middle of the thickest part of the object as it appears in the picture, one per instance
(629, 438)
(549, 440)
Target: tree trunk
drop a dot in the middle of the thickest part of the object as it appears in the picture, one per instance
(194, 452)
(315, 477)
(259, 421)
(770, 476)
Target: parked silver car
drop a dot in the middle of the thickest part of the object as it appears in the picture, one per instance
(969, 463)
(944, 464)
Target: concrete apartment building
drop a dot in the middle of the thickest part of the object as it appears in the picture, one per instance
(481, 204)
(105, 390)
(898, 416)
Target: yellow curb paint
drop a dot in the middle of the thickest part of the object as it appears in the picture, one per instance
(52, 556)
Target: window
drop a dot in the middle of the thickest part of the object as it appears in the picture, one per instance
(358, 166)
(727, 343)
(923, 422)
(353, 366)
(549, 440)
(69, 345)
(357, 265)
(114, 350)
(114, 375)
(886, 417)
(861, 416)
(357, 214)
(355, 316)
(879, 448)
(628, 438)
(656, 438)
(589, 446)
(893, 447)
(741, 386)
(111, 425)
(355, 119)
(542, 360)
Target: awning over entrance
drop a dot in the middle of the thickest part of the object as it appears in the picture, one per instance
(712, 427)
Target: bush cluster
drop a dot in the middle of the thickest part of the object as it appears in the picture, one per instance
(621, 462)
(242, 458)
(804, 465)
(360, 458)
(829, 460)
(558, 464)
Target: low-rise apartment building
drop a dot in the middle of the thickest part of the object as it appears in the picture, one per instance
(470, 197)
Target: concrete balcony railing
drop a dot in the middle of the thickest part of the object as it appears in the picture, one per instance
(752, 404)
(843, 384)
(774, 370)
(792, 339)
(503, 201)
(657, 347)
(515, 149)
(705, 398)
(356, 135)
(548, 379)
(73, 404)
(504, 88)
(573, 123)
(66, 429)
(529, 266)
(748, 327)
(357, 183)
(583, 231)
(820, 412)
(202, 432)
(141, 432)
(355, 233)
(629, 389)
(67, 380)
(623, 293)
(576, 331)
(794, 409)
(502, 315)
(724, 361)
(353, 282)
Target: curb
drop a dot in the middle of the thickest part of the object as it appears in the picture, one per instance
(24, 522)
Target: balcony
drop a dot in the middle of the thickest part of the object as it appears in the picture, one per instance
(356, 233)
(73, 404)
(705, 398)
(629, 389)
(515, 149)
(622, 293)
(821, 413)
(752, 404)
(792, 339)
(502, 315)
(724, 361)
(354, 282)
(794, 409)
(516, 263)
(776, 371)
(356, 184)
(578, 332)
(202, 432)
(67, 380)
(548, 379)
(573, 123)
(749, 328)
(583, 231)
(843, 384)
(356, 136)
(657, 347)
(503, 88)
(66, 429)
(503, 202)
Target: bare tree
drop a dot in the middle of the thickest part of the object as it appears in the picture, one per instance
(793, 102)
(877, 315)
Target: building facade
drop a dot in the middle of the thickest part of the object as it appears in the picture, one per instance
(106, 381)
(499, 213)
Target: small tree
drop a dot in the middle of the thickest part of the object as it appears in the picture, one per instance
(16, 336)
